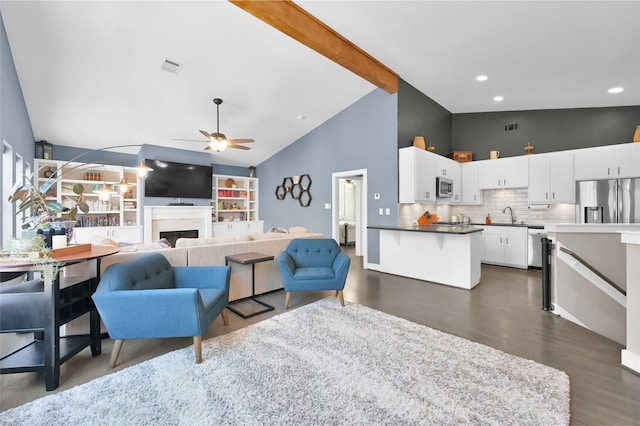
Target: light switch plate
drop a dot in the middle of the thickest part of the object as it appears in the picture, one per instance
(380, 211)
(387, 211)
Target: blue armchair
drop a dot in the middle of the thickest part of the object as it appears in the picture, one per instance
(148, 298)
(313, 264)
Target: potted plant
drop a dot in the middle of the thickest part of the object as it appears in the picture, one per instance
(32, 200)
(32, 247)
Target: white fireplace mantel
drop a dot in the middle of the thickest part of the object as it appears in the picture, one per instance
(176, 218)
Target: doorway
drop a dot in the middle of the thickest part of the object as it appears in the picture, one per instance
(349, 207)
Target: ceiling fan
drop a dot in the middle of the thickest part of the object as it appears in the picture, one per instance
(218, 141)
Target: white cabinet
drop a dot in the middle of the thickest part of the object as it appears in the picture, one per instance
(445, 167)
(129, 234)
(471, 192)
(510, 172)
(237, 228)
(608, 162)
(229, 229)
(111, 218)
(551, 178)
(256, 227)
(416, 176)
(455, 174)
(234, 205)
(235, 198)
(505, 245)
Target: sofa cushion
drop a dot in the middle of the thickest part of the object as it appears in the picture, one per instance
(194, 242)
(268, 236)
(314, 273)
(298, 230)
(278, 230)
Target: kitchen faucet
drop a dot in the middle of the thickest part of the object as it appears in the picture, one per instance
(510, 210)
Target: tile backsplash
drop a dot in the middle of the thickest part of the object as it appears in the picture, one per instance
(494, 202)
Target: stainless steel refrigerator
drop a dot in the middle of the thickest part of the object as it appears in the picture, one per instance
(608, 201)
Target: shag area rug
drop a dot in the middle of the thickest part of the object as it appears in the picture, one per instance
(318, 364)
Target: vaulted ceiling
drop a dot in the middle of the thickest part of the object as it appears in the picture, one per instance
(91, 72)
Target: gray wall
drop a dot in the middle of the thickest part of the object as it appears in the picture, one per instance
(363, 136)
(547, 130)
(419, 115)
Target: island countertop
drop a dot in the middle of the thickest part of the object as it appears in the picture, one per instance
(441, 254)
(463, 229)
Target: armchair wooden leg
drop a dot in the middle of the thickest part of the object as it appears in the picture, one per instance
(287, 299)
(337, 292)
(341, 297)
(197, 344)
(117, 346)
(225, 317)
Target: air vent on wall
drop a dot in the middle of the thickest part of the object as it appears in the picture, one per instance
(171, 66)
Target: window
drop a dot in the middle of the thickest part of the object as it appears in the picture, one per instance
(7, 217)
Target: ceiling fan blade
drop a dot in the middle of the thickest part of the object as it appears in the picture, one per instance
(206, 135)
(237, 146)
(190, 140)
(240, 140)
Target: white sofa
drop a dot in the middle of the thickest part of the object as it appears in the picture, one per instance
(212, 251)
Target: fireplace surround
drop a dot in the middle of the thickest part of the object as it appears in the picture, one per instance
(176, 218)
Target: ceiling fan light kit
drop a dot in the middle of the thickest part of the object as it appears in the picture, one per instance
(218, 141)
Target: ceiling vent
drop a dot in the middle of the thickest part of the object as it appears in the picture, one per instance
(171, 66)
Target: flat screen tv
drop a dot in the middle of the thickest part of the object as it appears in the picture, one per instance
(178, 180)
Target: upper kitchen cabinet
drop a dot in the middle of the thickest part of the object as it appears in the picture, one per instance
(608, 162)
(471, 192)
(445, 167)
(551, 178)
(416, 176)
(504, 173)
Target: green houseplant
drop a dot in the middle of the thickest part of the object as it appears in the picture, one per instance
(33, 248)
(32, 199)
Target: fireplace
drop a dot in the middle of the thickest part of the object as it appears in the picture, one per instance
(160, 219)
(172, 236)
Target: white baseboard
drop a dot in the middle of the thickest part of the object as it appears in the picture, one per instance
(630, 360)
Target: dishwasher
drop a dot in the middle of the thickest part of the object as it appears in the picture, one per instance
(535, 247)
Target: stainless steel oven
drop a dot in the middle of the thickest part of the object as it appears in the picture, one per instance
(444, 187)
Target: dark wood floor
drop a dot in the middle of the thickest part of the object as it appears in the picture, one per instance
(502, 312)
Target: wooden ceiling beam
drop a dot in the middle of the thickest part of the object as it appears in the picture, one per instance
(297, 23)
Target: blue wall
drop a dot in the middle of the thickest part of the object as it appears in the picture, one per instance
(363, 136)
(15, 126)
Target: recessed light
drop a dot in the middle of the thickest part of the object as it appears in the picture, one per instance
(301, 117)
(498, 98)
(615, 90)
(482, 78)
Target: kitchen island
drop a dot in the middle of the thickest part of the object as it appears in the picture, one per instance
(448, 255)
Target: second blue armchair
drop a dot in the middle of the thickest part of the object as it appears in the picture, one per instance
(313, 264)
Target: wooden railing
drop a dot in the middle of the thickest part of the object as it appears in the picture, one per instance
(594, 270)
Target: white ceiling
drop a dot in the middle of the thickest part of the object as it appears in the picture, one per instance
(91, 71)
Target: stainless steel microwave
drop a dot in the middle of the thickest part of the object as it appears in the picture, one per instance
(444, 187)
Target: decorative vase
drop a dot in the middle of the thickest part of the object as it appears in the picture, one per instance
(636, 135)
(418, 142)
(64, 227)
